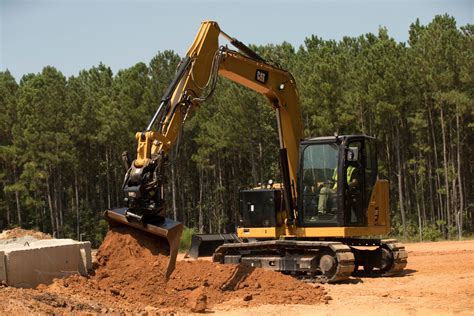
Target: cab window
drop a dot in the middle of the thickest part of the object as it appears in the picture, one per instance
(318, 184)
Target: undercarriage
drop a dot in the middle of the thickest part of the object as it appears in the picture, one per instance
(319, 261)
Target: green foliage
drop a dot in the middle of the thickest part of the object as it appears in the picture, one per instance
(61, 138)
(185, 242)
(432, 233)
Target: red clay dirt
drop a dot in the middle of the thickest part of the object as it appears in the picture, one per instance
(129, 277)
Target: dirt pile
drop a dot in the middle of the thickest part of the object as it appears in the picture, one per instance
(20, 232)
(16, 301)
(130, 276)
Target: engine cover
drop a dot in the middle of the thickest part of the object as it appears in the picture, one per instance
(261, 207)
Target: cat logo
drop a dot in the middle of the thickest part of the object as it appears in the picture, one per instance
(261, 76)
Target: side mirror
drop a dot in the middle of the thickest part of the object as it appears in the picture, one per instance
(353, 154)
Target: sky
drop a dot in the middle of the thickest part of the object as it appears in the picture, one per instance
(72, 35)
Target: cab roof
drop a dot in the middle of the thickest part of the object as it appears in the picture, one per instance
(328, 139)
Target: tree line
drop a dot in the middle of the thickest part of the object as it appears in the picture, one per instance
(61, 138)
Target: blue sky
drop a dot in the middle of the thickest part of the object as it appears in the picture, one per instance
(73, 35)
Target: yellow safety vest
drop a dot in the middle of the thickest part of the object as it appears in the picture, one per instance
(350, 170)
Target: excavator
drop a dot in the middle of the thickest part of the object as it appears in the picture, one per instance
(316, 224)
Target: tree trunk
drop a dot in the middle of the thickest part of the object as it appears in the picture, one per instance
(423, 201)
(362, 119)
(446, 180)
(461, 193)
(117, 190)
(51, 211)
(17, 199)
(400, 182)
(78, 218)
(222, 228)
(87, 190)
(235, 216)
(55, 202)
(8, 210)
(201, 214)
(60, 203)
(430, 186)
(41, 215)
(438, 180)
(422, 188)
(18, 207)
(420, 225)
(253, 165)
(173, 192)
(37, 214)
(210, 225)
(107, 176)
(54, 195)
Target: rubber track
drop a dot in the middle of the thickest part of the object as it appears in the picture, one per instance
(343, 254)
(399, 254)
(399, 258)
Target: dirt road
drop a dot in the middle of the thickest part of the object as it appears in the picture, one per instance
(439, 280)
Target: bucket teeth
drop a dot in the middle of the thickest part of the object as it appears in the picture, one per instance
(158, 226)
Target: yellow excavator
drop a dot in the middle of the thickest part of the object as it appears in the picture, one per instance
(316, 224)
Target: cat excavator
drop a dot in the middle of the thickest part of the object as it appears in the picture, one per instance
(315, 224)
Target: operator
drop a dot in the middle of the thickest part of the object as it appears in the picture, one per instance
(326, 191)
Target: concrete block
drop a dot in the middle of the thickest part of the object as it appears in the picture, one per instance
(30, 263)
(3, 267)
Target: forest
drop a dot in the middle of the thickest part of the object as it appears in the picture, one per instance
(61, 139)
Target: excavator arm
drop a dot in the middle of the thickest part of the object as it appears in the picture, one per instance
(193, 84)
(279, 87)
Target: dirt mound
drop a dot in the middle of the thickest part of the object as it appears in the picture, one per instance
(20, 232)
(129, 276)
(16, 301)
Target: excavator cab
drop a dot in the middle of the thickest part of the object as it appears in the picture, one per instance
(335, 181)
(338, 194)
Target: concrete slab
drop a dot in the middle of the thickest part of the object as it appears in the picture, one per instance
(3, 267)
(26, 262)
(17, 241)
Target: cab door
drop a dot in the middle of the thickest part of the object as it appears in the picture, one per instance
(360, 171)
(317, 184)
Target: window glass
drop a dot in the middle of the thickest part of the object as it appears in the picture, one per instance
(319, 183)
(355, 213)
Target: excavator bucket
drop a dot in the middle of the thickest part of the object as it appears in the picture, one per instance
(162, 227)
